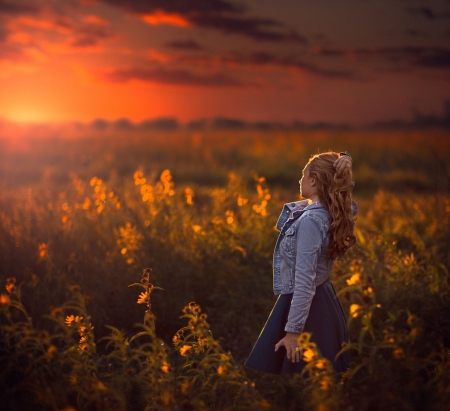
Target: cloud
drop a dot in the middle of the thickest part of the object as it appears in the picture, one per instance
(262, 60)
(172, 77)
(432, 57)
(220, 15)
(184, 45)
(10, 8)
(427, 12)
(90, 35)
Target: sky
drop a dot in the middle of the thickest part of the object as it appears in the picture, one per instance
(347, 61)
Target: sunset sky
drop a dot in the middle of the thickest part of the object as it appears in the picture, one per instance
(352, 61)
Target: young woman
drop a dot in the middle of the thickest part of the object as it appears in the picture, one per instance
(313, 233)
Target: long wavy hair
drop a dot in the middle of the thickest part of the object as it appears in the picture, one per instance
(335, 194)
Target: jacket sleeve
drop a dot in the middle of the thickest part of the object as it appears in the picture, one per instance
(308, 248)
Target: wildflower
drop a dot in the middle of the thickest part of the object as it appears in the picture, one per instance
(415, 332)
(10, 284)
(165, 368)
(100, 386)
(70, 319)
(242, 201)
(197, 228)
(189, 193)
(165, 397)
(185, 387)
(368, 291)
(308, 355)
(221, 369)
(354, 308)
(184, 350)
(51, 351)
(42, 250)
(143, 298)
(320, 364)
(398, 353)
(354, 279)
(325, 383)
(4, 299)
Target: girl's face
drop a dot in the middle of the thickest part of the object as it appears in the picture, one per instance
(307, 184)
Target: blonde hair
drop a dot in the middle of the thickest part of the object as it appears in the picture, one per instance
(335, 194)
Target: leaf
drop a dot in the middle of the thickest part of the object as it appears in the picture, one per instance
(138, 285)
(139, 335)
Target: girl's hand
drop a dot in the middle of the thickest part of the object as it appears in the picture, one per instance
(342, 164)
(290, 342)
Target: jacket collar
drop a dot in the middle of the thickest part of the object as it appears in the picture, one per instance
(292, 211)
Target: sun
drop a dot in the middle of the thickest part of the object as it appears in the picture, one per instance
(26, 115)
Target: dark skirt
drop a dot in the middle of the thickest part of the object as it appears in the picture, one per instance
(326, 322)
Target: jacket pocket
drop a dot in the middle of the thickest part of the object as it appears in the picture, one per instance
(288, 242)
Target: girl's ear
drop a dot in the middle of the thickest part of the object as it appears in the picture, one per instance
(313, 181)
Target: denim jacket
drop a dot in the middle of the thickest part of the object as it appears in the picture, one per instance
(300, 260)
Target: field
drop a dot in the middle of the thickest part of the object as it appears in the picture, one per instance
(189, 217)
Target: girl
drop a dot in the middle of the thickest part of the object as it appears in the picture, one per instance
(313, 233)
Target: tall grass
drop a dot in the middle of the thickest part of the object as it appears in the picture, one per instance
(73, 336)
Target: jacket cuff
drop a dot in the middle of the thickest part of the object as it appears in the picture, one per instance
(291, 328)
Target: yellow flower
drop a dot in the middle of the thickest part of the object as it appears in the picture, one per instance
(143, 298)
(42, 250)
(325, 384)
(10, 284)
(354, 308)
(184, 350)
(221, 369)
(308, 355)
(354, 279)
(398, 353)
(100, 386)
(69, 320)
(51, 351)
(165, 368)
(185, 387)
(321, 364)
(4, 299)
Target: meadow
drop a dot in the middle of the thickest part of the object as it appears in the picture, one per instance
(136, 270)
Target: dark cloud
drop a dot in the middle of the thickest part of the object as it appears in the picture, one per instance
(291, 61)
(8, 7)
(427, 12)
(173, 77)
(90, 35)
(434, 59)
(213, 14)
(261, 59)
(184, 45)
(184, 7)
(249, 27)
(431, 57)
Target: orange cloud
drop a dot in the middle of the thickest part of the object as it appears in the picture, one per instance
(96, 20)
(161, 17)
(60, 27)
